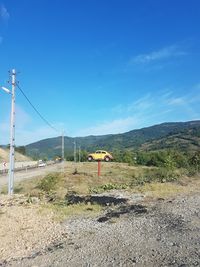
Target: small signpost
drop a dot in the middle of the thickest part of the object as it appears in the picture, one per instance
(99, 168)
(4, 166)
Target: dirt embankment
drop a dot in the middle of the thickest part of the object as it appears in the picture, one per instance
(4, 156)
(165, 232)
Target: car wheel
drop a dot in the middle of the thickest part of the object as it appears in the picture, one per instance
(107, 159)
(90, 158)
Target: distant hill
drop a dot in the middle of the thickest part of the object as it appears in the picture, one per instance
(183, 136)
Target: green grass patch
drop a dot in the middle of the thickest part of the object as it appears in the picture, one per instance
(61, 211)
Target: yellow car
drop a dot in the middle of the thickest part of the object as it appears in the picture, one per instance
(100, 155)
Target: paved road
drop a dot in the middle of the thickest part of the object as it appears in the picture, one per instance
(19, 164)
(21, 175)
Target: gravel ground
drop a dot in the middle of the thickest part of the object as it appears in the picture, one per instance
(21, 227)
(160, 233)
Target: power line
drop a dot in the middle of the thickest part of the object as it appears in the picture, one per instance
(39, 114)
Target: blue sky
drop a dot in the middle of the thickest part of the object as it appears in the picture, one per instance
(99, 66)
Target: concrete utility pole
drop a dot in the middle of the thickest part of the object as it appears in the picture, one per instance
(63, 151)
(12, 137)
(79, 154)
(74, 150)
(12, 133)
(63, 145)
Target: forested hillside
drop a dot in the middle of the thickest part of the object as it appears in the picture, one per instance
(182, 136)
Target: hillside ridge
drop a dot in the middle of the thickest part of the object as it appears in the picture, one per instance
(178, 135)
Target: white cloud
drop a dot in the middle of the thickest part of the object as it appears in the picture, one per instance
(25, 132)
(24, 137)
(164, 53)
(4, 15)
(110, 127)
(153, 108)
(176, 101)
(185, 103)
(141, 104)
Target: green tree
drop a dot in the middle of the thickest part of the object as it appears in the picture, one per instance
(195, 161)
(128, 157)
(21, 150)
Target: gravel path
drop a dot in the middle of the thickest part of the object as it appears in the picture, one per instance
(162, 233)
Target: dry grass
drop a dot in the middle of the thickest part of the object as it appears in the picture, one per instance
(111, 173)
(162, 190)
(85, 179)
(185, 185)
(4, 155)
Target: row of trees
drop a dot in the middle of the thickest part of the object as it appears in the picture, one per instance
(170, 159)
(164, 158)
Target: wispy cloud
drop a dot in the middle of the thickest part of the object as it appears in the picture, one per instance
(110, 127)
(187, 104)
(25, 131)
(4, 15)
(153, 108)
(161, 54)
(142, 104)
(25, 135)
(177, 101)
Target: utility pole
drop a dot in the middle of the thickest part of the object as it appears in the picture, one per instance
(74, 150)
(63, 152)
(12, 137)
(79, 154)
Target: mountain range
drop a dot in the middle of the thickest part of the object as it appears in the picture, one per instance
(184, 136)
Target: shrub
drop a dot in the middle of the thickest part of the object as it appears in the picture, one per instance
(195, 162)
(49, 182)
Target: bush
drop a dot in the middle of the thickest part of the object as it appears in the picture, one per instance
(170, 159)
(49, 182)
(195, 162)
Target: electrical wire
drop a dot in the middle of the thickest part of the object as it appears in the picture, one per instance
(39, 114)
